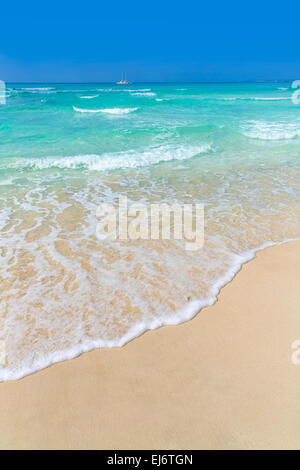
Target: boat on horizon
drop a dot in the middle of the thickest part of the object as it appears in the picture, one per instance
(124, 81)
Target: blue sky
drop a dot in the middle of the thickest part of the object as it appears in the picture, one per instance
(152, 41)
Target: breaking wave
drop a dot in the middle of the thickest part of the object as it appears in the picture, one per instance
(143, 94)
(117, 111)
(117, 160)
(88, 97)
(271, 131)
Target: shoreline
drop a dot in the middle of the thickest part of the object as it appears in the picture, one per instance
(186, 314)
(217, 390)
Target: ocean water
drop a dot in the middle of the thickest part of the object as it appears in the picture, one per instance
(65, 149)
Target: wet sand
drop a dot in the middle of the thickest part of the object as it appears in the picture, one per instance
(224, 380)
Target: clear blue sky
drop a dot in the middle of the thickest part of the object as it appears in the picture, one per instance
(152, 40)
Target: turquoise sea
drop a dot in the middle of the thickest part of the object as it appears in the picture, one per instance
(65, 149)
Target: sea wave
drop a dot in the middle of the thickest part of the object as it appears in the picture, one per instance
(143, 94)
(271, 98)
(35, 90)
(6, 181)
(89, 97)
(117, 111)
(116, 160)
(271, 131)
(255, 98)
(230, 98)
(184, 314)
(117, 90)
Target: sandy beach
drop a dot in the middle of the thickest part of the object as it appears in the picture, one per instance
(224, 380)
(149, 229)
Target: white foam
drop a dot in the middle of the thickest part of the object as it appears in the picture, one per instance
(185, 314)
(234, 98)
(88, 97)
(118, 90)
(271, 131)
(255, 98)
(115, 111)
(273, 98)
(117, 160)
(36, 90)
(143, 94)
(6, 182)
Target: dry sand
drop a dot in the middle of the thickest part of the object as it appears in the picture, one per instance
(224, 380)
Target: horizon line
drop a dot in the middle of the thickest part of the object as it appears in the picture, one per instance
(153, 82)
